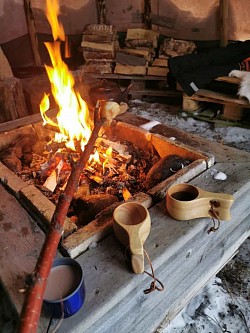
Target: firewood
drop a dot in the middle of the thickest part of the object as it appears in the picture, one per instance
(12, 100)
(99, 29)
(52, 181)
(130, 70)
(107, 47)
(97, 67)
(139, 52)
(5, 69)
(87, 207)
(158, 62)
(99, 38)
(130, 59)
(172, 47)
(142, 37)
(82, 190)
(164, 168)
(158, 71)
(95, 55)
(119, 147)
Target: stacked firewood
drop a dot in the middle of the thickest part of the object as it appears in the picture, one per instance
(140, 45)
(172, 47)
(99, 45)
(169, 48)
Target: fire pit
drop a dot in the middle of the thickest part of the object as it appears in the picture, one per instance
(78, 237)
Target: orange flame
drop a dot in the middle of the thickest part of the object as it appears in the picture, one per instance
(109, 152)
(73, 116)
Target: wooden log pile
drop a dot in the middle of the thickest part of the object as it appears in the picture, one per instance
(172, 47)
(99, 45)
(140, 49)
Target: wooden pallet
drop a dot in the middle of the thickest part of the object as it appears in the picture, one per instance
(140, 83)
(233, 107)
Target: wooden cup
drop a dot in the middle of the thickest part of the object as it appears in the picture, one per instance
(186, 202)
(131, 223)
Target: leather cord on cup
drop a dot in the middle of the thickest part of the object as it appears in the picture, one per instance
(215, 217)
(153, 285)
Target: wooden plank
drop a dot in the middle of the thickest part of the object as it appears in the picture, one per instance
(21, 122)
(228, 79)
(20, 245)
(128, 77)
(232, 112)
(210, 96)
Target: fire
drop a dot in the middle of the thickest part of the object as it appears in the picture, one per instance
(73, 117)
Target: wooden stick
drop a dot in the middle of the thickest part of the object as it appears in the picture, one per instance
(32, 32)
(224, 6)
(34, 298)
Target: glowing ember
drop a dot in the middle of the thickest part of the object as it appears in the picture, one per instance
(73, 116)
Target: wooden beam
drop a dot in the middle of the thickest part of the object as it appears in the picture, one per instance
(101, 12)
(32, 32)
(224, 5)
(147, 14)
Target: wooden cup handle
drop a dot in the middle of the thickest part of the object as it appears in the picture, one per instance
(137, 261)
(137, 255)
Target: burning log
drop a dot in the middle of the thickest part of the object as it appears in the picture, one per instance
(52, 181)
(87, 207)
(164, 168)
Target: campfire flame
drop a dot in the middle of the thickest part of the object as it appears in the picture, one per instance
(73, 117)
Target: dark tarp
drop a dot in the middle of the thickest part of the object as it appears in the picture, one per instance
(196, 71)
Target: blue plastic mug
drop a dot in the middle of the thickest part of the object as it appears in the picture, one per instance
(65, 290)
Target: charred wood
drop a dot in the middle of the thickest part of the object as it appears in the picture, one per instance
(87, 207)
(164, 168)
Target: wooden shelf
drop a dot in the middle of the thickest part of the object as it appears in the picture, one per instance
(139, 88)
(127, 77)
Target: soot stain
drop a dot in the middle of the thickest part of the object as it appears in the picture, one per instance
(25, 231)
(1, 216)
(7, 226)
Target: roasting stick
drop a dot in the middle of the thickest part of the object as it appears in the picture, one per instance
(35, 291)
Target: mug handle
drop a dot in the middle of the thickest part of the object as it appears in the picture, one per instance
(137, 255)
